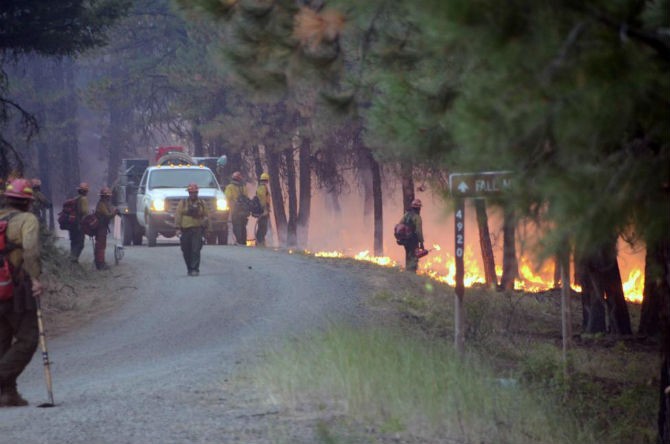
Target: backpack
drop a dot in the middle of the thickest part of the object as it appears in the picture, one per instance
(67, 218)
(404, 230)
(6, 275)
(255, 207)
(243, 205)
(89, 224)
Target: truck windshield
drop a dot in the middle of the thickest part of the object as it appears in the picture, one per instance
(181, 178)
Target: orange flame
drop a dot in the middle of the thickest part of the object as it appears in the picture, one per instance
(440, 266)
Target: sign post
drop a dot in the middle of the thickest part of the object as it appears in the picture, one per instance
(459, 315)
(461, 186)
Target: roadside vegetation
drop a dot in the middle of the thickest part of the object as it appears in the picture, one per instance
(400, 378)
(74, 295)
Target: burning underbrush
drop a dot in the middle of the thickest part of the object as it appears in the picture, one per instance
(440, 266)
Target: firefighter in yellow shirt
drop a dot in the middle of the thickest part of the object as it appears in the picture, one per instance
(191, 219)
(263, 194)
(77, 236)
(19, 332)
(239, 216)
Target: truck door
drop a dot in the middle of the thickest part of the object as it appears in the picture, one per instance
(141, 201)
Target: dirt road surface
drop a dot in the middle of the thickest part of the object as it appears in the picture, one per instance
(158, 369)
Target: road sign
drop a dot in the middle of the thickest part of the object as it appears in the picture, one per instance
(482, 184)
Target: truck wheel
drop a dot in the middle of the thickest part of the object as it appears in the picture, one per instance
(127, 230)
(222, 237)
(152, 234)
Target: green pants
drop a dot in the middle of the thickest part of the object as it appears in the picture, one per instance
(19, 337)
(191, 244)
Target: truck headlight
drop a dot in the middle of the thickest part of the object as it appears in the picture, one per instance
(221, 204)
(158, 204)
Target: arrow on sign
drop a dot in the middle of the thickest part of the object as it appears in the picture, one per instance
(463, 187)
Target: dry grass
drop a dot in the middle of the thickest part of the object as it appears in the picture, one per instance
(77, 293)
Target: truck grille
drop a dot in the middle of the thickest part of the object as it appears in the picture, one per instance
(210, 204)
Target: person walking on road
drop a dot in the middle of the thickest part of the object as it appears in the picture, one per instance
(413, 218)
(19, 332)
(239, 215)
(77, 236)
(191, 219)
(105, 212)
(263, 194)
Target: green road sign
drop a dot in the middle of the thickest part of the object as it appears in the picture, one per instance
(482, 184)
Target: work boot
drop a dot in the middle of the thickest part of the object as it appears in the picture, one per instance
(101, 266)
(10, 397)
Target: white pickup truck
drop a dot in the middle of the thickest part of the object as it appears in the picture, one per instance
(162, 187)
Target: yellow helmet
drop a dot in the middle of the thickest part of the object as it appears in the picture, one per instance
(265, 176)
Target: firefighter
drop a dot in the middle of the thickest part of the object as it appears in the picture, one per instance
(105, 212)
(239, 216)
(191, 219)
(77, 236)
(40, 204)
(264, 197)
(19, 333)
(416, 239)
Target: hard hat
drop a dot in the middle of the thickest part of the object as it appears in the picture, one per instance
(36, 183)
(83, 186)
(416, 203)
(265, 176)
(237, 176)
(192, 188)
(105, 191)
(19, 188)
(222, 161)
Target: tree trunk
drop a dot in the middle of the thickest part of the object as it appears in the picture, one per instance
(368, 193)
(653, 291)
(557, 272)
(116, 139)
(485, 244)
(258, 164)
(305, 177)
(198, 143)
(601, 287)
(662, 261)
(593, 304)
(510, 264)
(291, 228)
(407, 185)
(273, 161)
(377, 199)
(617, 312)
(69, 119)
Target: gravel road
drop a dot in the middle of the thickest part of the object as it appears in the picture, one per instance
(158, 369)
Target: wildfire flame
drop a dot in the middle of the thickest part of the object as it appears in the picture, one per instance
(440, 266)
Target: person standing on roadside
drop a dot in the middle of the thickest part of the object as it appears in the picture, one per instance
(263, 194)
(40, 203)
(191, 219)
(77, 236)
(19, 332)
(413, 218)
(239, 216)
(105, 212)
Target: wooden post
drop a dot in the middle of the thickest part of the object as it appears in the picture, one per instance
(566, 315)
(459, 316)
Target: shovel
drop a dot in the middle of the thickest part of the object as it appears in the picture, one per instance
(45, 355)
